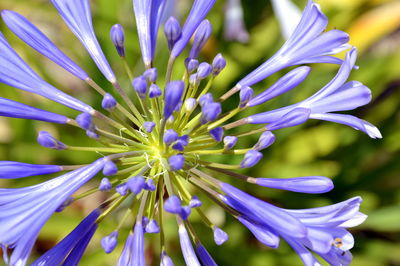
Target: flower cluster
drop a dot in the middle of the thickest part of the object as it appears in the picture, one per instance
(157, 141)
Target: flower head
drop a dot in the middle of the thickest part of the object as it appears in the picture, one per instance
(155, 148)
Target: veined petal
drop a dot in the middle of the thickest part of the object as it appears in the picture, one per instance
(187, 249)
(199, 11)
(307, 34)
(262, 212)
(22, 218)
(339, 79)
(31, 35)
(262, 233)
(137, 258)
(284, 84)
(126, 255)
(306, 256)
(77, 16)
(9, 108)
(351, 121)
(16, 73)
(350, 96)
(11, 170)
(57, 254)
(148, 15)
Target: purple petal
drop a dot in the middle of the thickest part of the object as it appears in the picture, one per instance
(262, 212)
(284, 84)
(77, 16)
(16, 73)
(11, 170)
(200, 9)
(351, 121)
(24, 211)
(31, 35)
(187, 248)
(204, 256)
(307, 184)
(262, 233)
(57, 254)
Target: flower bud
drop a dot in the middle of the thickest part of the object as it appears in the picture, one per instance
(191, 64)
(266, 139)
(139, 84)
(151, 75)
(105, 185)
(195, 202)
(108, 102)
(152, 227)
(136, 184)
(220, 236)
(172, 31)
(210, 112)
(110, 168)
(118, 39)
(47, 140)
(230, 142)
(173, 205)
(190, 104)
(203, 71)
(201, 36)
(176, 162)
(217, 133)
(110, 242)
(218, 64)
(251, 158)
(122, 189)
(246, 94)
(173, 95)
(205, 99)
(154, 91)
(170, 136)
(149, 126)
(84, 120)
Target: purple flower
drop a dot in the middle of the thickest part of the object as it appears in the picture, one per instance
(308, 44)
(159, 172)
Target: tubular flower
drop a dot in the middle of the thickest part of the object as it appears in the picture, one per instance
(157, 137)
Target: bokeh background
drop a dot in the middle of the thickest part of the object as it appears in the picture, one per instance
(357, 164)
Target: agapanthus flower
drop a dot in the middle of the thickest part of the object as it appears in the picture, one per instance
(155, 144)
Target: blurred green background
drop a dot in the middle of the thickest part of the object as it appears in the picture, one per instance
(357, 164)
